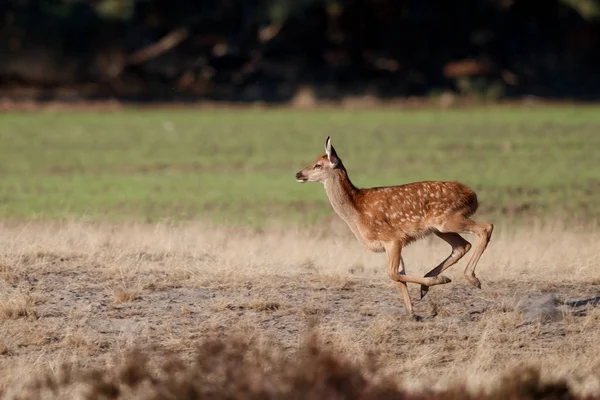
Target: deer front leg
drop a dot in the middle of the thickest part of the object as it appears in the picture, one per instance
(396, 268)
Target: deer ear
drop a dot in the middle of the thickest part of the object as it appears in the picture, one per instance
(331, 154)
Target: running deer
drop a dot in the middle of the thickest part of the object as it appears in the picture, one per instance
(389, 218)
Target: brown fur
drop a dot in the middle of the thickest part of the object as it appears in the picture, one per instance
(389, 218)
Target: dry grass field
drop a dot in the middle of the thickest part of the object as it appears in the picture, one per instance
(83, 294)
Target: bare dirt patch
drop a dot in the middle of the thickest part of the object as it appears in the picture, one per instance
(96, 291)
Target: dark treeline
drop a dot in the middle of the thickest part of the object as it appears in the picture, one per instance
(246, 50)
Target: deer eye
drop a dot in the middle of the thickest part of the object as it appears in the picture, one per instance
(317, 166)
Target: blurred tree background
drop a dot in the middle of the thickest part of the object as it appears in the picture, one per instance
(272, 50)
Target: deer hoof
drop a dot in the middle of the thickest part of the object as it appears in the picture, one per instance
(441, 279)
(474, 282)
(424, 290)
(415, 317)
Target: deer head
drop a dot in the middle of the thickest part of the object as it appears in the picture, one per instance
(323, 168)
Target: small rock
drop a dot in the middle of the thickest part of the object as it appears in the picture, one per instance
(542, 308)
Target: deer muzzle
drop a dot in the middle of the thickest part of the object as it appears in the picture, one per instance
(301, 178)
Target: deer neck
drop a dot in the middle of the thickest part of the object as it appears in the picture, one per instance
(342, 196)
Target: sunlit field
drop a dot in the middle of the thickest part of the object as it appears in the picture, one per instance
(169, 253)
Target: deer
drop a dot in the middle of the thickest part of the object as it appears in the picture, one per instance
(387, 219)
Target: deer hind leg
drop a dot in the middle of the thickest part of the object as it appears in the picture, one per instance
(483, 230)
(460, 247)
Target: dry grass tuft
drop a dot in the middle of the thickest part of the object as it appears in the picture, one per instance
(7, 274)
(77, 339)
(313, 310)
(259, 305)
(17, 305)
(126, 294)
(255, 305)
